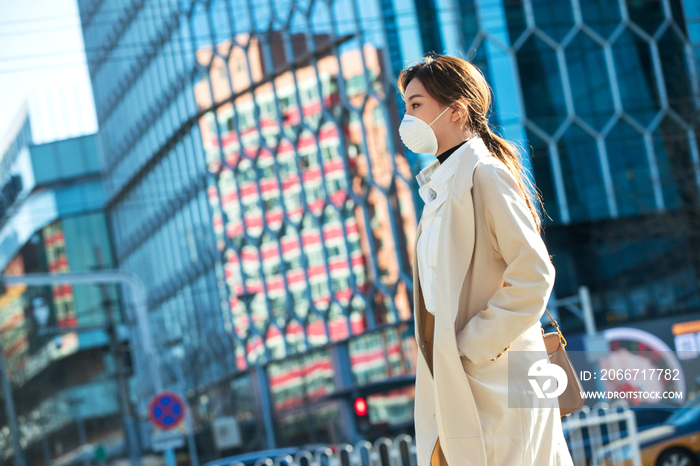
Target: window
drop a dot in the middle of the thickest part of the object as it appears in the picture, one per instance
(333, 251)
(327, 153)
(315, 257)
(292, 200)
(284, 167)
(319, 289)
(354, 245)
(285, 102)
(270, 203)
(266, 171)
(272, 269)
(292, 263)
(336, 184)
(331, 86)
(340, 283)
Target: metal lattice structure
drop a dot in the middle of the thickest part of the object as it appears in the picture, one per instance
(250, 148)
(610, 93)
(311, 203)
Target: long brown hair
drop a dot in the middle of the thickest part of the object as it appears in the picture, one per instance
(457, 83)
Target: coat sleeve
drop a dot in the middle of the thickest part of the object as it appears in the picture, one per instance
(528, 277)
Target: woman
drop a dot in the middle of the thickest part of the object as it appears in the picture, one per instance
(482, 277)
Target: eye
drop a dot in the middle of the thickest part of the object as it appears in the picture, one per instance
(413, 106)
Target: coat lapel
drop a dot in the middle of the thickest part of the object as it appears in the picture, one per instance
(456, 238)
(418, 297)
(452, 245)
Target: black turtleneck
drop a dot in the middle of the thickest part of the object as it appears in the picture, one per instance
(442, 157)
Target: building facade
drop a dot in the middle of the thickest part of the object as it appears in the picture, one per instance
(52, 219)
(603, 98)
(255, 184)
(255, 180)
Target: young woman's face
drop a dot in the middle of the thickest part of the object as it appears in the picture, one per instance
(421, 105)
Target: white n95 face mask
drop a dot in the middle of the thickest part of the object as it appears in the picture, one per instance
(417, 135)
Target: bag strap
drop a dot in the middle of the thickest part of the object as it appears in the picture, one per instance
(556, 325)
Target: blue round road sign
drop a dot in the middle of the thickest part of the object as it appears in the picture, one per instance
(166, 410)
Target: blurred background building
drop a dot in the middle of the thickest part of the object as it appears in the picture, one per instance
(254, 183)
(52, 219)
(254, 180)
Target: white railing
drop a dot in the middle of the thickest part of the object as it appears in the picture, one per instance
(606, 431)
(603, 435)
(399, 451)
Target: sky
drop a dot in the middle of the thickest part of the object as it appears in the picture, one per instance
(42, 66)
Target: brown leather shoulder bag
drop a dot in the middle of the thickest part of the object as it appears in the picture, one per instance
(572, 398)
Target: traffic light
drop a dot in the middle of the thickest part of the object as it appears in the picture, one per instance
(361, 414)
(360, 407)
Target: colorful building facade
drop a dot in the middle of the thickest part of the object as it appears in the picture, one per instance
(53, 221)
(256, 183)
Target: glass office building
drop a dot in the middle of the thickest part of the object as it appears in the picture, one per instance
(611, 103)
(603, 97)
(257, 185)
(52, 219)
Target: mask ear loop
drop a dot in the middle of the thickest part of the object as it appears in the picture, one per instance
(436, 119)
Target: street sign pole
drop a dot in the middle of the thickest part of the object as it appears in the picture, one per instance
(170, 457)
(167, 410)
(178, 353)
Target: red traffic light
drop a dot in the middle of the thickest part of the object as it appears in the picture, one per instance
(361, 407)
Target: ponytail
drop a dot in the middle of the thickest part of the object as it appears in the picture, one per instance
(508, 153)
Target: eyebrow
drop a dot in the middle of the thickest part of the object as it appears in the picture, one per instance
(414, 95)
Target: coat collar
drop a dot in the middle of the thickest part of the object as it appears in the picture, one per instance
(432, 179)
(473, 150)
(461, 163)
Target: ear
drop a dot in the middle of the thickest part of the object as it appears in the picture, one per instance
(456, 113)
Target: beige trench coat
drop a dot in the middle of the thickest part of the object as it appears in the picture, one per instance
(493, 280)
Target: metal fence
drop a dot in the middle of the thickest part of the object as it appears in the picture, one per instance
(399, 451)
(603, 435)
